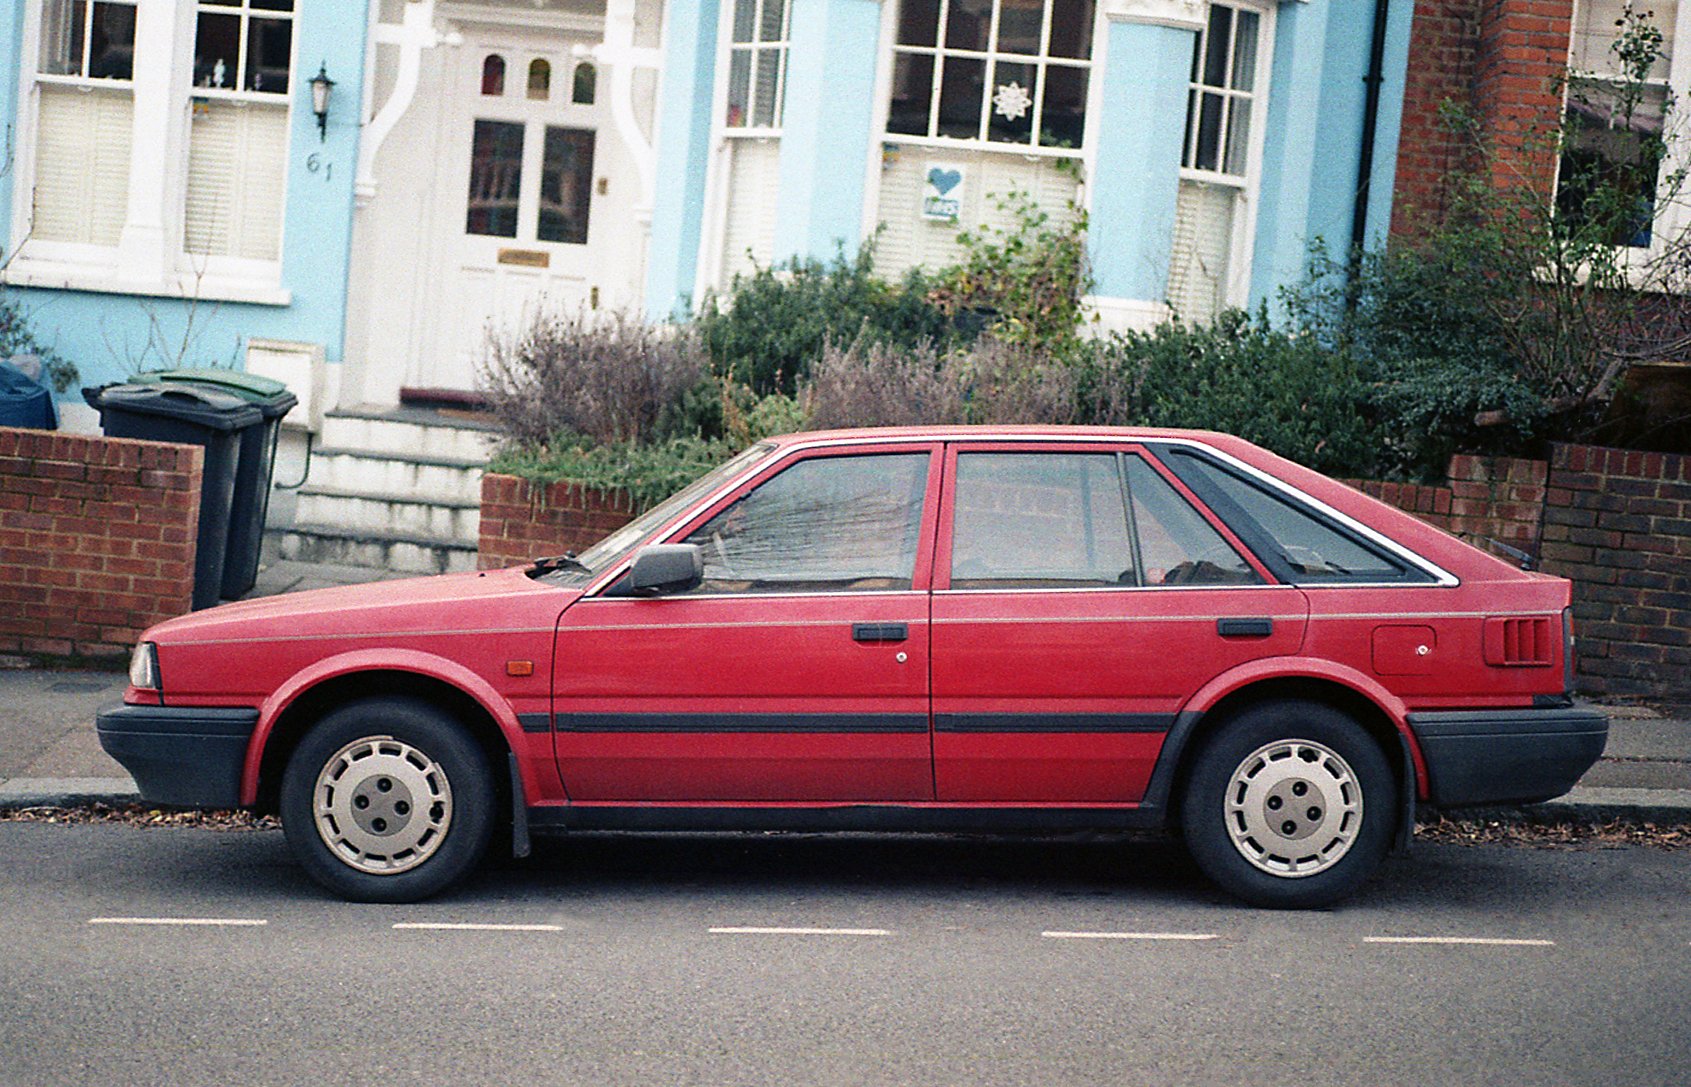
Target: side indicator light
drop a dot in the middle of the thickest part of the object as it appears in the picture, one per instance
(519, 668)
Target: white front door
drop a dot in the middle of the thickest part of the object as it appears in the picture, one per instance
(536, 190)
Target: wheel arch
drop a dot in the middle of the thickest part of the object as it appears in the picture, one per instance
(1377, 712)
(300, 706)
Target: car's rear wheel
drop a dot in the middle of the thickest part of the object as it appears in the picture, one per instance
(387, 800)
(1289, 804)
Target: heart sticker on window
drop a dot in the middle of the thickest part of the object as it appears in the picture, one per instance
(944, 180)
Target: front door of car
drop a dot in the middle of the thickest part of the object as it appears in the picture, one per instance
(1081, 599)
(796, 672)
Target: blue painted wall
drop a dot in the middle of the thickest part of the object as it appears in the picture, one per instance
(683, 149)
(105, 334)
(1137, 178)
(1313, 144)
(826, 129)
(11, 49)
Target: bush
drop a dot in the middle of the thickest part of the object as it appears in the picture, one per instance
(871, 384)
(610, 378)
(16, 338)
(1027, 280)
(1283, 391)
(649, 473)
(774, 323)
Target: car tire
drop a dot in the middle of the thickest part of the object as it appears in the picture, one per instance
(1289, 805)
(388, 800)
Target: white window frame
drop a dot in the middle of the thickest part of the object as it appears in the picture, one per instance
(892, 50)
(711, 265)
(1673, 216)
(151, 259)
(756, 50)
(1247, 186)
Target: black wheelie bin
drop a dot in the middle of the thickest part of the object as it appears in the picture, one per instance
(251, 501)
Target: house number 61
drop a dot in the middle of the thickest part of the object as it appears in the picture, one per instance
(315, 162)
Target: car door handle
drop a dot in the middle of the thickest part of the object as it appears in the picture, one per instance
(879, 632)
(1244, 628)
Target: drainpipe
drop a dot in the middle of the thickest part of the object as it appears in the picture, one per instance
(1370, 122)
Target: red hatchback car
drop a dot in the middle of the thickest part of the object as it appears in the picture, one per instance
(917, 629)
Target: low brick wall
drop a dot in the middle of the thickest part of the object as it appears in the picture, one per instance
(97, 539)
(1618, 523)
(522, 520)
(1499, 498)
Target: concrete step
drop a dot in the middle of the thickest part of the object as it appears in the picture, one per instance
(436, 518)
(384, 550)
(411, 432)
(438, 478)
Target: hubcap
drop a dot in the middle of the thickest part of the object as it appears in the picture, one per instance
(1293, 808)
(382, 806)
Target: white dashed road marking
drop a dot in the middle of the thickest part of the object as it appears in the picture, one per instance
(233, 922)
(1483, 941)
(1189, 936)
(754, 931)
(473, 927)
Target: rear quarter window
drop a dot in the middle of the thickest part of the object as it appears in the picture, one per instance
(1299, 543)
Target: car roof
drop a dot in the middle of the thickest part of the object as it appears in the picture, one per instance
(1011, 433)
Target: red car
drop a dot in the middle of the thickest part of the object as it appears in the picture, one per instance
(932, 629)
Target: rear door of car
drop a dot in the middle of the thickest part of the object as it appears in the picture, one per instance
(1081, 598)
(797, 672)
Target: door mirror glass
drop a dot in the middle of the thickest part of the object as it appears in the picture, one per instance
(666, 568)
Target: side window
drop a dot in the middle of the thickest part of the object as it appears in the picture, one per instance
(1177, 546)
(825, 524)
(1039, 520)
(1296, 542)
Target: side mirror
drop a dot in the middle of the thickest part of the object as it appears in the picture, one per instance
(666, 568)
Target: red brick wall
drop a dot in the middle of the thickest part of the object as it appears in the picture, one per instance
(97, 540)
(1501, 59)
(1442, 38)
(522, 520)
(1618, 522)
(1501, 498)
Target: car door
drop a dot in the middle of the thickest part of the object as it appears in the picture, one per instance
(1081, 599)
(796, 672)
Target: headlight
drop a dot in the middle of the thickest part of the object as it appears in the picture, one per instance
(144, 667)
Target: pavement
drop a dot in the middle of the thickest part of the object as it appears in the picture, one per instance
(50, 756)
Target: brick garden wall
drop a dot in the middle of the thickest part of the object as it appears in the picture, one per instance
(1618, 522)
(97, 539)
(522, 520)
(1615, 522)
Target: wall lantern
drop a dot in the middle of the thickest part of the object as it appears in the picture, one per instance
(321, 85)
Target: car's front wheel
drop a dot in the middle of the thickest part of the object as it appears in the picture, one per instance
(1289, 804)
(387, 800)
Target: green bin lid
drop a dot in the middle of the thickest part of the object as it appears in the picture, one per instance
(267, 394)
(206, 407)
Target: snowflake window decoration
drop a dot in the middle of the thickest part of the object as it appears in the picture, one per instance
(1011, 101)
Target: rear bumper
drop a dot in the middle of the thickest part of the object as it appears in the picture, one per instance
(1507, 756)
(186, 757)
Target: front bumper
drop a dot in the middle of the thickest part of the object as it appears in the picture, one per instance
(1507, 756)
(191, 757)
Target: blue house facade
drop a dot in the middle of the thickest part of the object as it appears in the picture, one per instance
(171, 195)
(167, 197)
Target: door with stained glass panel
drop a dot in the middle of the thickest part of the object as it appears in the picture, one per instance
(531, 195)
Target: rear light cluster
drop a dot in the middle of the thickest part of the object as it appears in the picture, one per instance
(1518, 642)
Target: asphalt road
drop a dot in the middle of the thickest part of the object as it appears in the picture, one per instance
(646, 960)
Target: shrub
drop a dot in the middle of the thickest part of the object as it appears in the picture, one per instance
(649, 473)
(1028, 280)
(1285, 392)
(18, 339)
(774, 323)
(610, 378)
(872, 384)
